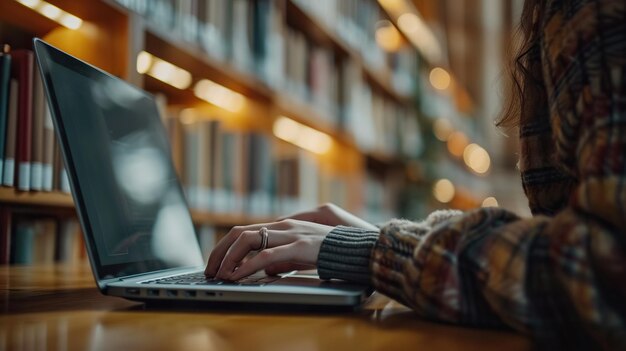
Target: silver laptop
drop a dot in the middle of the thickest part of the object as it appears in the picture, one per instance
(137, 227)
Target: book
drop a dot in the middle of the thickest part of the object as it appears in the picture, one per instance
(240, 170)
(49, 141)
(191, 166)
(5, 235)
(44, 245)
(70, 246)
(5, 78)
(22, 243)
(241, 50)
(22, 70)
(8, 178)
(37, 139)
(33, 241)
(259, 178)
(207, 240)
(207, 131)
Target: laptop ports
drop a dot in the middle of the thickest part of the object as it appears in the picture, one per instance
(153, 292)
(133, 291)
(189, 293)
(172, 293)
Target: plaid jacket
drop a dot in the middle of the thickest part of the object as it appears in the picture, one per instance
(561, 275)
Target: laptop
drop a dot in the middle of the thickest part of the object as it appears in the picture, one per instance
(138, 230)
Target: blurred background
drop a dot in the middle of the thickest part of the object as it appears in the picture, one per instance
(386, 108)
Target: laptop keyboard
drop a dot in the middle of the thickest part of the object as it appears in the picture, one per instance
(257, 279)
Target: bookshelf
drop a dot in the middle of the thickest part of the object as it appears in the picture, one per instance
(357, 162)
(10, 196)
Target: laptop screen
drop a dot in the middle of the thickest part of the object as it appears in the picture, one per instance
(117, 154)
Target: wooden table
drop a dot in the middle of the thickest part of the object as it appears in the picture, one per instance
(58, 308)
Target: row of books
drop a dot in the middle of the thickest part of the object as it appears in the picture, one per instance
(377, 122)
(247, 172)
(346, 100)
(245, 32)
(355, 21)
(312, 76)
(30, 158)
(46, 241)
(254, 35)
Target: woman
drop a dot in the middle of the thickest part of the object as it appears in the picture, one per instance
(559, 276)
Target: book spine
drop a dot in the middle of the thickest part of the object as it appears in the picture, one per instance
(44, 241)
(23, 243)
(5, 236)
(203, 166)
(48, 150)
(23, 71)
(38, 118)
(5, 78)
(191, 163)
(8, 178)
(207, 240)
(69, 242)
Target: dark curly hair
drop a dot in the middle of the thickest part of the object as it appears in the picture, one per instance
(527, 95)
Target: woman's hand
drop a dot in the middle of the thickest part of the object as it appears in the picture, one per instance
(332, 215)
(291, 245)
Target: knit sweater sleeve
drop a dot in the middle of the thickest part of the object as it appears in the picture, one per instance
(346, 252)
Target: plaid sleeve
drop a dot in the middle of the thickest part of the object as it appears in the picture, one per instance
(550, 277)
(560, 278)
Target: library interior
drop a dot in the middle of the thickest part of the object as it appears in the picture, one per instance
(385, 108)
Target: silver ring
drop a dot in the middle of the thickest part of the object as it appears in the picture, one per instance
(263, 233)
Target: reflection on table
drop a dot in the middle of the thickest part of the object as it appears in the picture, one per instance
(58, 308)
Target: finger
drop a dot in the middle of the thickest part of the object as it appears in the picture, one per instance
(283, 267)
(265, 258)
(247, 242)
(222, 247)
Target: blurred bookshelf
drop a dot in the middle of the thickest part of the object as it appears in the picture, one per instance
(274, 106)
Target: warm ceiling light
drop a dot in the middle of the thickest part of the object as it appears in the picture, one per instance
(219, 95)
(457, 142)
(70, 21)
(50, 11)
(443, 190)
(490, 202)
(388, 37)
(30, 3)
(163, 70)
(442, 129)
(440, 78)
(393, 5)
(298, 134)
(54, 13)
(144, 62)
(409, 23)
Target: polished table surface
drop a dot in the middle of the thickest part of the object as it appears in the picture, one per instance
(59, 308)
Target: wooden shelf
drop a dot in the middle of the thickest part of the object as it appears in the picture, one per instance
(188, 56)
(36, 198)
(55, 199)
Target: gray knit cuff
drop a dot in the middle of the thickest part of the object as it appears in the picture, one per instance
(345, 254)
